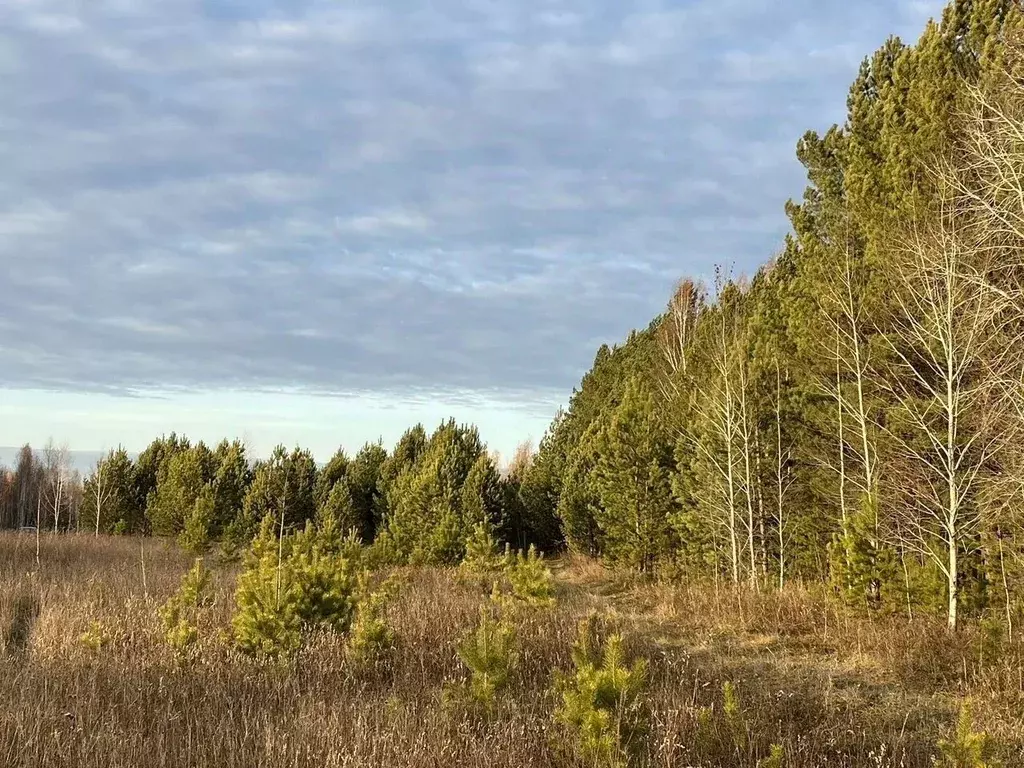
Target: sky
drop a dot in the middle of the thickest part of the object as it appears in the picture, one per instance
(317, 222)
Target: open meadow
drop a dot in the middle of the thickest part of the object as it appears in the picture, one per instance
(89, 678)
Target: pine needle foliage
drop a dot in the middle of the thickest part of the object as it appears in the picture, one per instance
(96, 637)
(372, 637)
(531, 581)
(602, 703)
(490, 654)
(775, 759)
(965, 747)
(195, 536)
(293, 585)
(482, 554)
(179, 615)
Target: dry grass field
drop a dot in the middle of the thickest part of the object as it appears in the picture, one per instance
(831, 687)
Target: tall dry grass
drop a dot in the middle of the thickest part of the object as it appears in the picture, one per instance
(851, 694)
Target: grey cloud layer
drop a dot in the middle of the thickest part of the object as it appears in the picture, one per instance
(345, 197)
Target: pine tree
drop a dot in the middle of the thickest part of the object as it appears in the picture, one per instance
(632, 481)
(282, 487)
(198, 528)
(230, 484)
(363, 477)
(333, 472)
(340, 506)
(179, 483)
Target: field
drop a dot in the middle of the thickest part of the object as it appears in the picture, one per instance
(829, 686)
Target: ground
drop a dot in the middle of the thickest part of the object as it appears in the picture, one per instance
(88, 679)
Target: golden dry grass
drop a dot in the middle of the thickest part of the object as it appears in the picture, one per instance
(833, 687)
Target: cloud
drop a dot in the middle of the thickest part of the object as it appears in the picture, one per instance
(402, 197)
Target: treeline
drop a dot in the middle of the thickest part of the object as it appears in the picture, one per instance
(420, 503)
(854, 413)
(42, 490)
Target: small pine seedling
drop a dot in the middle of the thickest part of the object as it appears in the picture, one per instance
(489, 652)
(481, 552)
(96, 637)
(179, 614)
(734, 715)
(774, 760)
(966, 747)
(371, 636)
(530, 579)
(602, 701)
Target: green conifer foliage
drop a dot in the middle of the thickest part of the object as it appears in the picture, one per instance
(283, 486)
(427, 519)
(482, 556)
(108, 494)
(633, 482)
(230, 483)
(293, 585)
(490, 654)
(197, 532)
(579, 502)
(363, 477)
(602, 703)
(333, 472)
(965, 747)
(530, 580)
(340, 506)
(372, 637)
(179, 615)
(265, 623)
(179, 483)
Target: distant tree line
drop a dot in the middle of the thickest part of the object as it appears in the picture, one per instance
(42, 490)
(420, 502)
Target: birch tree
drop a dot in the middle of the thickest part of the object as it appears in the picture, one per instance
(56, 462)
(954, 379)
(716, 436)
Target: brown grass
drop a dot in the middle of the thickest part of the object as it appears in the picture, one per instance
(833, 687)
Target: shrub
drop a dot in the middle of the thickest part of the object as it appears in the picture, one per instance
(179, 613)
(489, 652)
(602, 701)
(96, 637)
(292, 585)
(371, 635)
(965, 748)
(530, 579)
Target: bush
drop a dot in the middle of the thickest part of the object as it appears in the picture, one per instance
(965, 748)
(96, 637)
(530, 579)
(371, 637)
(602, 701)
(489, 652)
(179, 613)
(293, 585)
